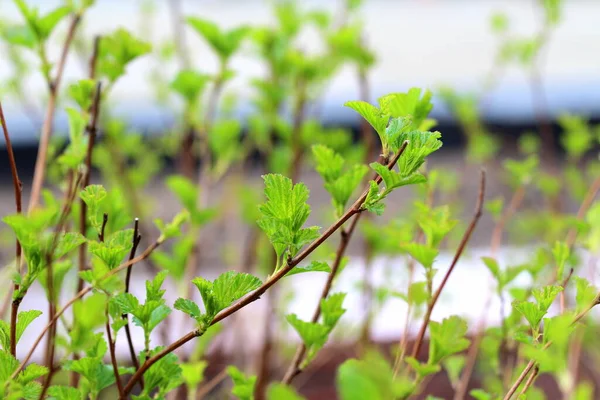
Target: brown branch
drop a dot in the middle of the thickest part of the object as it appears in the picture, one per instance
(18, 188)
(515, 202)
(136, 241)
(294, 368)
(42, 155)
(356, 208)
(113, 358)
(103, 229)
(459, 251)
(78, 296)
(210, 385)
(496, 241)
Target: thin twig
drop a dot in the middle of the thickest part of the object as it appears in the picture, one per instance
(113, 358)
(356, 208)
(496, 241)
(210, 385)
(136, 241)
(18, 188)
(103, 228)
(294, 368)
(459, 251)
(42, 155)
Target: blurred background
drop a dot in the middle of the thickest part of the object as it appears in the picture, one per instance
(452, 47)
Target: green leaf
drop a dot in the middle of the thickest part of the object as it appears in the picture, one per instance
(93, 195)
(561, 253)
(375, 117)
(280, 391)
(407, 105)
(116, 51)
(31, 373)
(63, 393)
(20, 35)
(164, 375)
(223, 43)
(24, 319)
(225, 290)
(480, 394)
(494, 268)
(329, 164)
(447, 338)
(424, 254)
(190, 85)
(243, 385)
(284, 213)
(530, 311)
(173, 228)
(82, 93)
(193, 373)
(422, 369)
(420, 145)
(314, 266)
(114, 249)
(188, 307)
(48, 22)
(454, 366)
(332, 310)
(545, 296)
(371, 378)
(310, 332)
(586, 293)
(393, 179)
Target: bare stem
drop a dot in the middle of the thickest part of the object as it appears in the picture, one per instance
(18, 202)
(294, 368)
(40, 164)
(459, 251)
(113, 358)
(136, 241)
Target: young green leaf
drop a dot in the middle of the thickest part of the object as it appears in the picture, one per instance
(224, 291)
(279, 391)
(224, 43)
(447, 338)
(117, 50)
(190, 85)
(243, 385)
(193, 373)
(371, 378)
(314, 266)
(332, 310)
(93, 195)
(314, 335)
(283, 215)
(424, 254)
(63, 393)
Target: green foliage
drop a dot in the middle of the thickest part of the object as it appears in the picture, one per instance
(188, 194)
(117, 50)
(447, 338)
(217, 295)
(224, 43)
(370, 378)
(279, 391)
(534, 312)
(152, 312)
(283, 215)
(314, 334)
(24, 318)
(314, 266)
(173, 228)
(339, 183)
(190, 85)
(243, 385)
